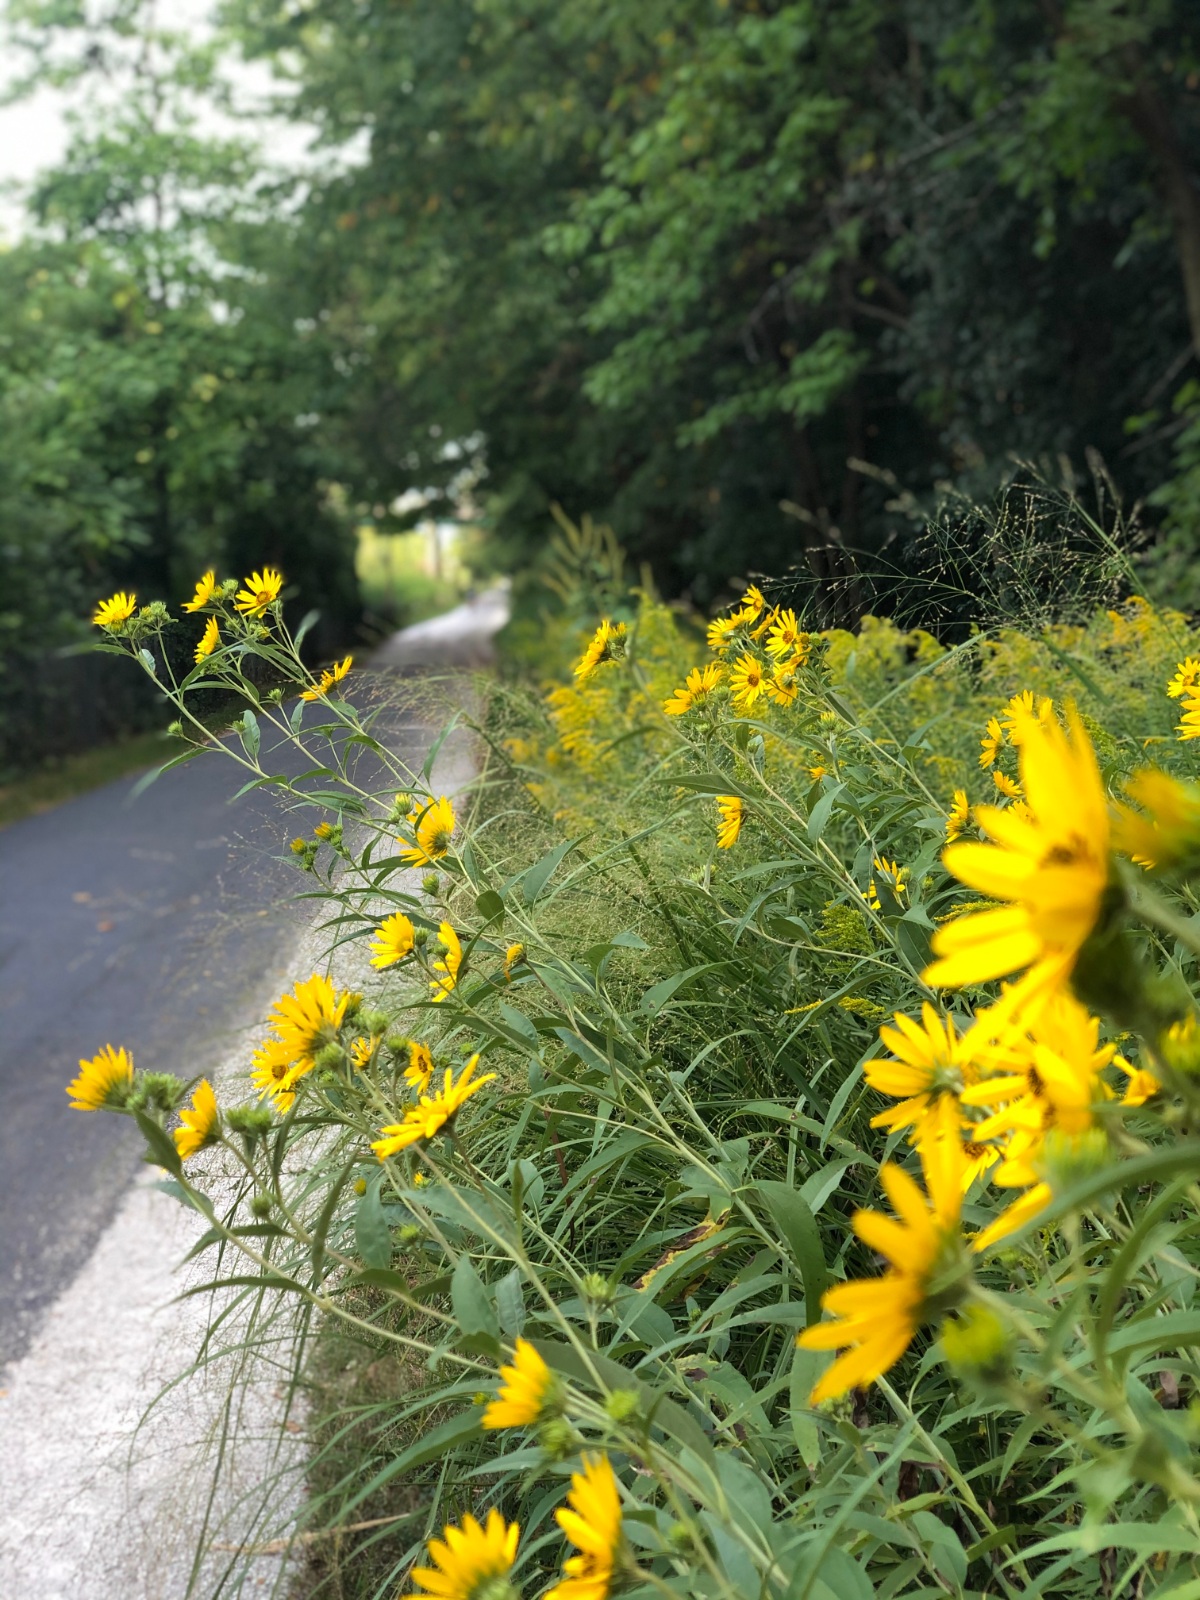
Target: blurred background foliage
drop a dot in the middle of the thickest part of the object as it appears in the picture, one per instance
(765, 286)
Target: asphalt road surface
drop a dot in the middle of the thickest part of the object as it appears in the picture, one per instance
(151, 922)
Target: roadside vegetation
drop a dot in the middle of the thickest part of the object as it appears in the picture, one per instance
(761, 1162)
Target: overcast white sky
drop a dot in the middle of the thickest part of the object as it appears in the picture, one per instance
(33, 133)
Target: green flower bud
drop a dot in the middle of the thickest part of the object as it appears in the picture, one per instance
(330, 1058)
(558, 1438)
(155, 1091)
(261, 1205)
(431, 883)
(622, 1404)
(976, 1343)
(595, 1286)
(252, 1122)
(420, 937)
(373, 1021)
(409, 1235)
(360, 1186)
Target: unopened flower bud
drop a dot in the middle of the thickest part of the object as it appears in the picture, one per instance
(976, 1343)
(360, 1186)
(409, 1235)
(329, 1058)
(622, 1404)
(261, 1205)
(558, 1438)
(595, 1286)
(420, 937)
(431, 883)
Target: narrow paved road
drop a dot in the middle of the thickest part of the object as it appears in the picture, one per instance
(149, 922)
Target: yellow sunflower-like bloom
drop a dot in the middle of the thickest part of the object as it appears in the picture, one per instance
(747, 682)
(393, 940)
(331, 676)
(752, 603)
(1052, 1089)
(593, 1525)
(731, 813)
(931, 1060)
(513, 957)
(722, 629)
(434, 825)
(818, 772)
(1140, 1085)
(103, 1081)
(115, 611)
(890, 873)
(470, 1562)
(698, 685)
(1187, 678)
(606, 644)
(448, 965)
(1008, 787)
(782, 686)
(525, 1388)
(990, 744)
(272, 1075)
(1168, 830)
(958, 817)
(1021, 709)
(361, 1051)
(260, 590)
(209, 640)
(302, 1022)
(1189, 721)
(206, 588)
(786, 637)
(418, 1074)
(201, 1122)
(878, 1318)
(431, 1114)
(1051, 864)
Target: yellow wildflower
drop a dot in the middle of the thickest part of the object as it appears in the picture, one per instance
(593, 1525)
(731, 813)
(470, 1562)
(721, 631)
(432, 1112)
(434, 825)
(209, 640)
(1140, 1085)
(1189, 721)
(331, 676)
(525, 1388)
(1008, 787)
(879, 1318)
(1021, 709)
(323, 830)
(206, 589)
(930, 1060)
(308, 1018)
(1169, 831)
(418, 1074)
(449, 963)
(201, 1122)
(1187, 678)
(782, 687)
(1053, 1087)
(272, 1075)
(891, 873)
(818, 772)
(1052, 865)
(103, 1081)
(513, 957)
(261, 589)
(990, 744)
(747, 682)
(606, 644)
(113, 612)
(699, 684)
(393, 940)
(361, 1051)
(787, 637)
(959, 815)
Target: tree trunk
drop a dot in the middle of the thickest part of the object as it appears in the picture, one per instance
(1149, 118)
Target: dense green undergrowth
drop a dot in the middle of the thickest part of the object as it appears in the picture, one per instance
(615, 1092)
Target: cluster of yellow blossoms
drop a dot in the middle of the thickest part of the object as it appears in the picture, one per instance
(471, 1561)
(760, 651)
(1021, 1093)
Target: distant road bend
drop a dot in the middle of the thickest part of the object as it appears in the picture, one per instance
(153, 924)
